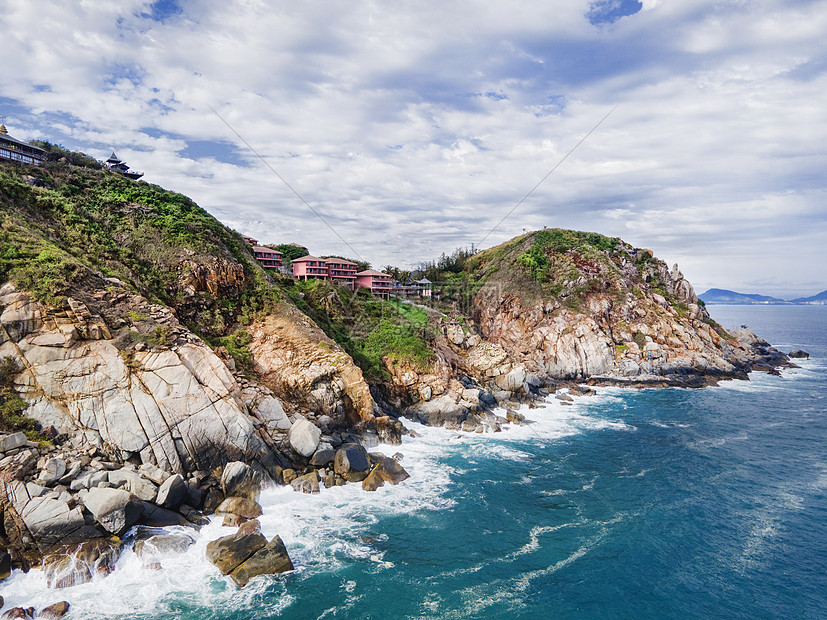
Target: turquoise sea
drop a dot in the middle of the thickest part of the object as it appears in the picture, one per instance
(628, 504)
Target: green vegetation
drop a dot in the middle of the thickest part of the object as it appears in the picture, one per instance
(12, 406)
(369, 329)
(289, 251)
(236, 345)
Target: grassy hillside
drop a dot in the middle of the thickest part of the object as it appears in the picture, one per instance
(65, 228)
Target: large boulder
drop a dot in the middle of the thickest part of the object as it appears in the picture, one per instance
(351, 462)
(76, 564)
(386, 470)
(133, 482)
(304, 437)
(239, 506)
(229, 552)
(53, 470)
(323, 455)
(155, 516)
(12, 441)
(240, 480)
(116, 510)
(52, 522)
(172, 492)
(269, 560)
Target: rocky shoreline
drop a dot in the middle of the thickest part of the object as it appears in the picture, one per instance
(146, 436)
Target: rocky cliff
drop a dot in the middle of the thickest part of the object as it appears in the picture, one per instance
(582, 306)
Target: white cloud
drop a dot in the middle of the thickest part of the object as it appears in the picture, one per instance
(415, 127)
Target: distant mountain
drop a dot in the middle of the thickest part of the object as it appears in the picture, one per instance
(722, 296)
(820, 298)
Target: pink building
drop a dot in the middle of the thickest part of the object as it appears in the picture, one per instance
(310, 267)
(341, 271)
(268, 257)
(380, 284)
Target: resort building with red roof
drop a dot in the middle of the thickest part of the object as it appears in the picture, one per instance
(380, 284)
(268, 257)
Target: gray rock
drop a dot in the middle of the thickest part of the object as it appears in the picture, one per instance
(9, 442)
(269, 560)
(52, 522)
(157, 541)
(134, 483)
(52, 471)
(304, 437)
(72, 473)
(172, 492)
(323, 457)
(89, 480)
(799, 354)
(73, 565)
(154, 473)
(351, 462)
(114, 509)
(240, 480)
(155, 516)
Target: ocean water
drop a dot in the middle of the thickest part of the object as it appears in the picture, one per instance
(628, 504)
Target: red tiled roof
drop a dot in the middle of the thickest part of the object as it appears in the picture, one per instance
(307, 258)
(372, 272)
(258, 248)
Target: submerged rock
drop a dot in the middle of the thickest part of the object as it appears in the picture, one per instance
(154, 541)
(72, 565)
(53, 612)
(799, 354)
(308, 483)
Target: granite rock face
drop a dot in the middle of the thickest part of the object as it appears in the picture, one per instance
(178, 408)
(289, 356)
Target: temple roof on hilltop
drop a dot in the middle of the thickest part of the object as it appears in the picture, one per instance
(113, 159)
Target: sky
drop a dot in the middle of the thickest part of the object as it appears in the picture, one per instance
(414, 128)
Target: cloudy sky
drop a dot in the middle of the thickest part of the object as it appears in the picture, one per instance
(414, 127)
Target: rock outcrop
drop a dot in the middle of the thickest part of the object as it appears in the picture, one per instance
(299, 362)
(176, 406)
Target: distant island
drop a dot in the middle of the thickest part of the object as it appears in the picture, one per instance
(723, 296)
